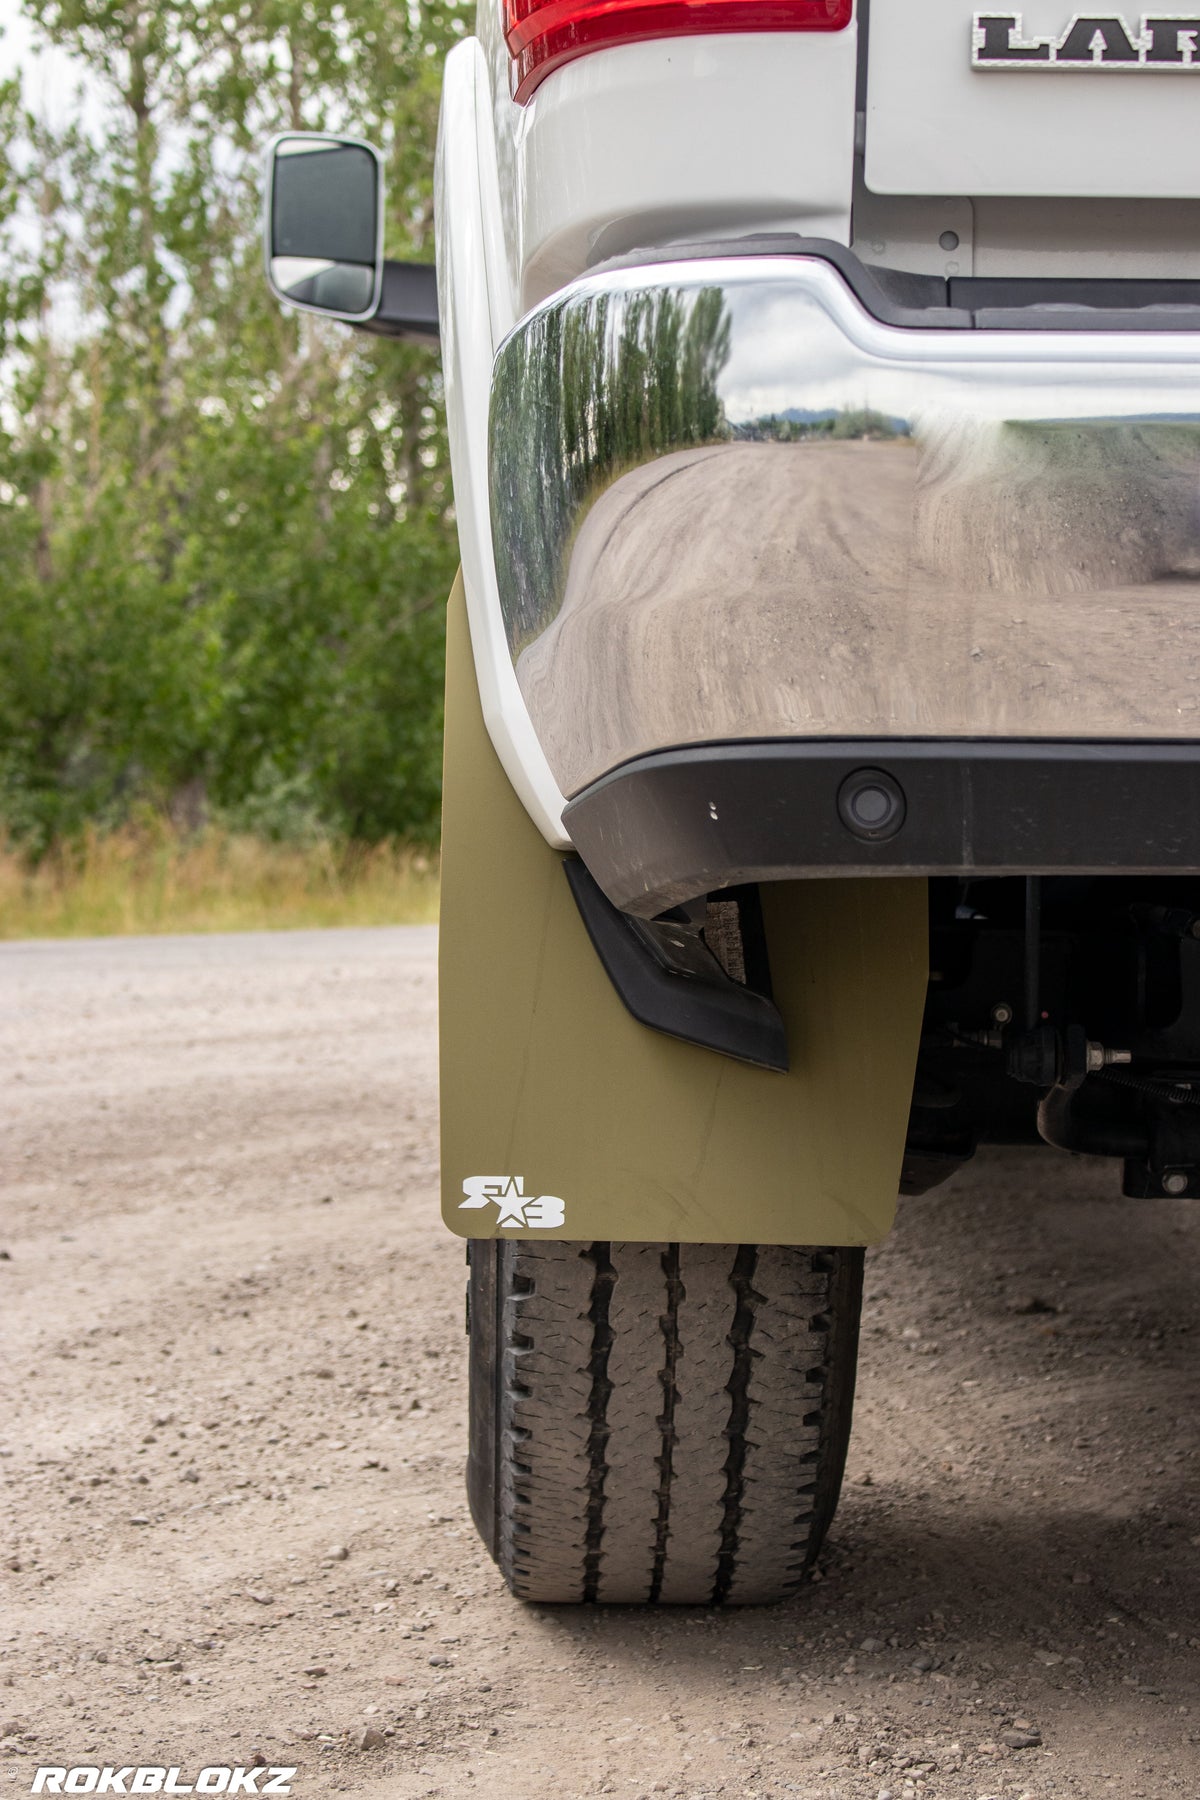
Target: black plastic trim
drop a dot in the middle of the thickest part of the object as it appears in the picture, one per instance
(894, 297)
(964, 303)
(408, 304)
(1009, 291)
(665, 828)
(700, 1003)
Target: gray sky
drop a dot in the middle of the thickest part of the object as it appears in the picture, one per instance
(51, 79)
(14, 45)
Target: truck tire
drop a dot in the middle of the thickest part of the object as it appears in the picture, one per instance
(658, 1422)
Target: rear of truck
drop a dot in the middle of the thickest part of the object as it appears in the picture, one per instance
(822, 785)
(824, 413)
(965, 282)
(824, 405)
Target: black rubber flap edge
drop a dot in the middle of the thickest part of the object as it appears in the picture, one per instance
(703, 1005)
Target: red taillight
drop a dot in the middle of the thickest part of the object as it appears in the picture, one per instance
(542, 34)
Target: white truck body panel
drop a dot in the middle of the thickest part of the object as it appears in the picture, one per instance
(475, 312)
(937, 125)
(712, 137)
(1079, 239)
(686, 138)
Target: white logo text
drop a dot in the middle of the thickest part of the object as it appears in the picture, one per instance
(90, 1778)
(516, 1206)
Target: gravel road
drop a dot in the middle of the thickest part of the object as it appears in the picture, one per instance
(234, 1432)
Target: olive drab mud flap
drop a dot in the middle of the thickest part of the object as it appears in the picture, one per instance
(563, 1117)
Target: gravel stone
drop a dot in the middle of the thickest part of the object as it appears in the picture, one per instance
(1020, 1740)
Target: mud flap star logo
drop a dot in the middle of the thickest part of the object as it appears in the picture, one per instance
(516, 1206)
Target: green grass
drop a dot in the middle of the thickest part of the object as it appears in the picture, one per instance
(154, 879)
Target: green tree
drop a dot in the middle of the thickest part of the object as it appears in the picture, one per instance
(226, 530)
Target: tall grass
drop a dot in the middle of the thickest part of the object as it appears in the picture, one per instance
(153, 878)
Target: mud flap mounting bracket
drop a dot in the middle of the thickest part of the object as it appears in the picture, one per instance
(671, 982)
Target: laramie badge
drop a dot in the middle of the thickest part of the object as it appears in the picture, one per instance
(1166, 42)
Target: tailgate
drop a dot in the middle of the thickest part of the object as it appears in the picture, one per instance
(1041, 101)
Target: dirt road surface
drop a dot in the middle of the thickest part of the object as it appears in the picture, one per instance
(234, 1433)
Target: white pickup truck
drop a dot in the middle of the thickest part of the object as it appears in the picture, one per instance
(823, 724)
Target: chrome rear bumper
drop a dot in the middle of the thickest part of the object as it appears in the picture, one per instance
(730, 505)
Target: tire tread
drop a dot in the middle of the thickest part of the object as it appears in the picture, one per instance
(659, 1422)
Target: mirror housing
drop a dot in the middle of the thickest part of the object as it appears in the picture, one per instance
(323, 239)
(323, 224)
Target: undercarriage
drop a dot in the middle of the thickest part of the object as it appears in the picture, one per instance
(1065, 1010)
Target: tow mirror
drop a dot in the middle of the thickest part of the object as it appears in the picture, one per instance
(323, 239)
(324, 224)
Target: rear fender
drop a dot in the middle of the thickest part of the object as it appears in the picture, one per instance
(563, 1117)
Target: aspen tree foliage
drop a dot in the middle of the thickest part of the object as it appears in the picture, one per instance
(226, 530)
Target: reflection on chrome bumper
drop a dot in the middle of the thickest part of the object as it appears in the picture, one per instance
(728, 505)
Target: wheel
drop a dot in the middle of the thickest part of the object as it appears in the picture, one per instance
(658, 1422)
